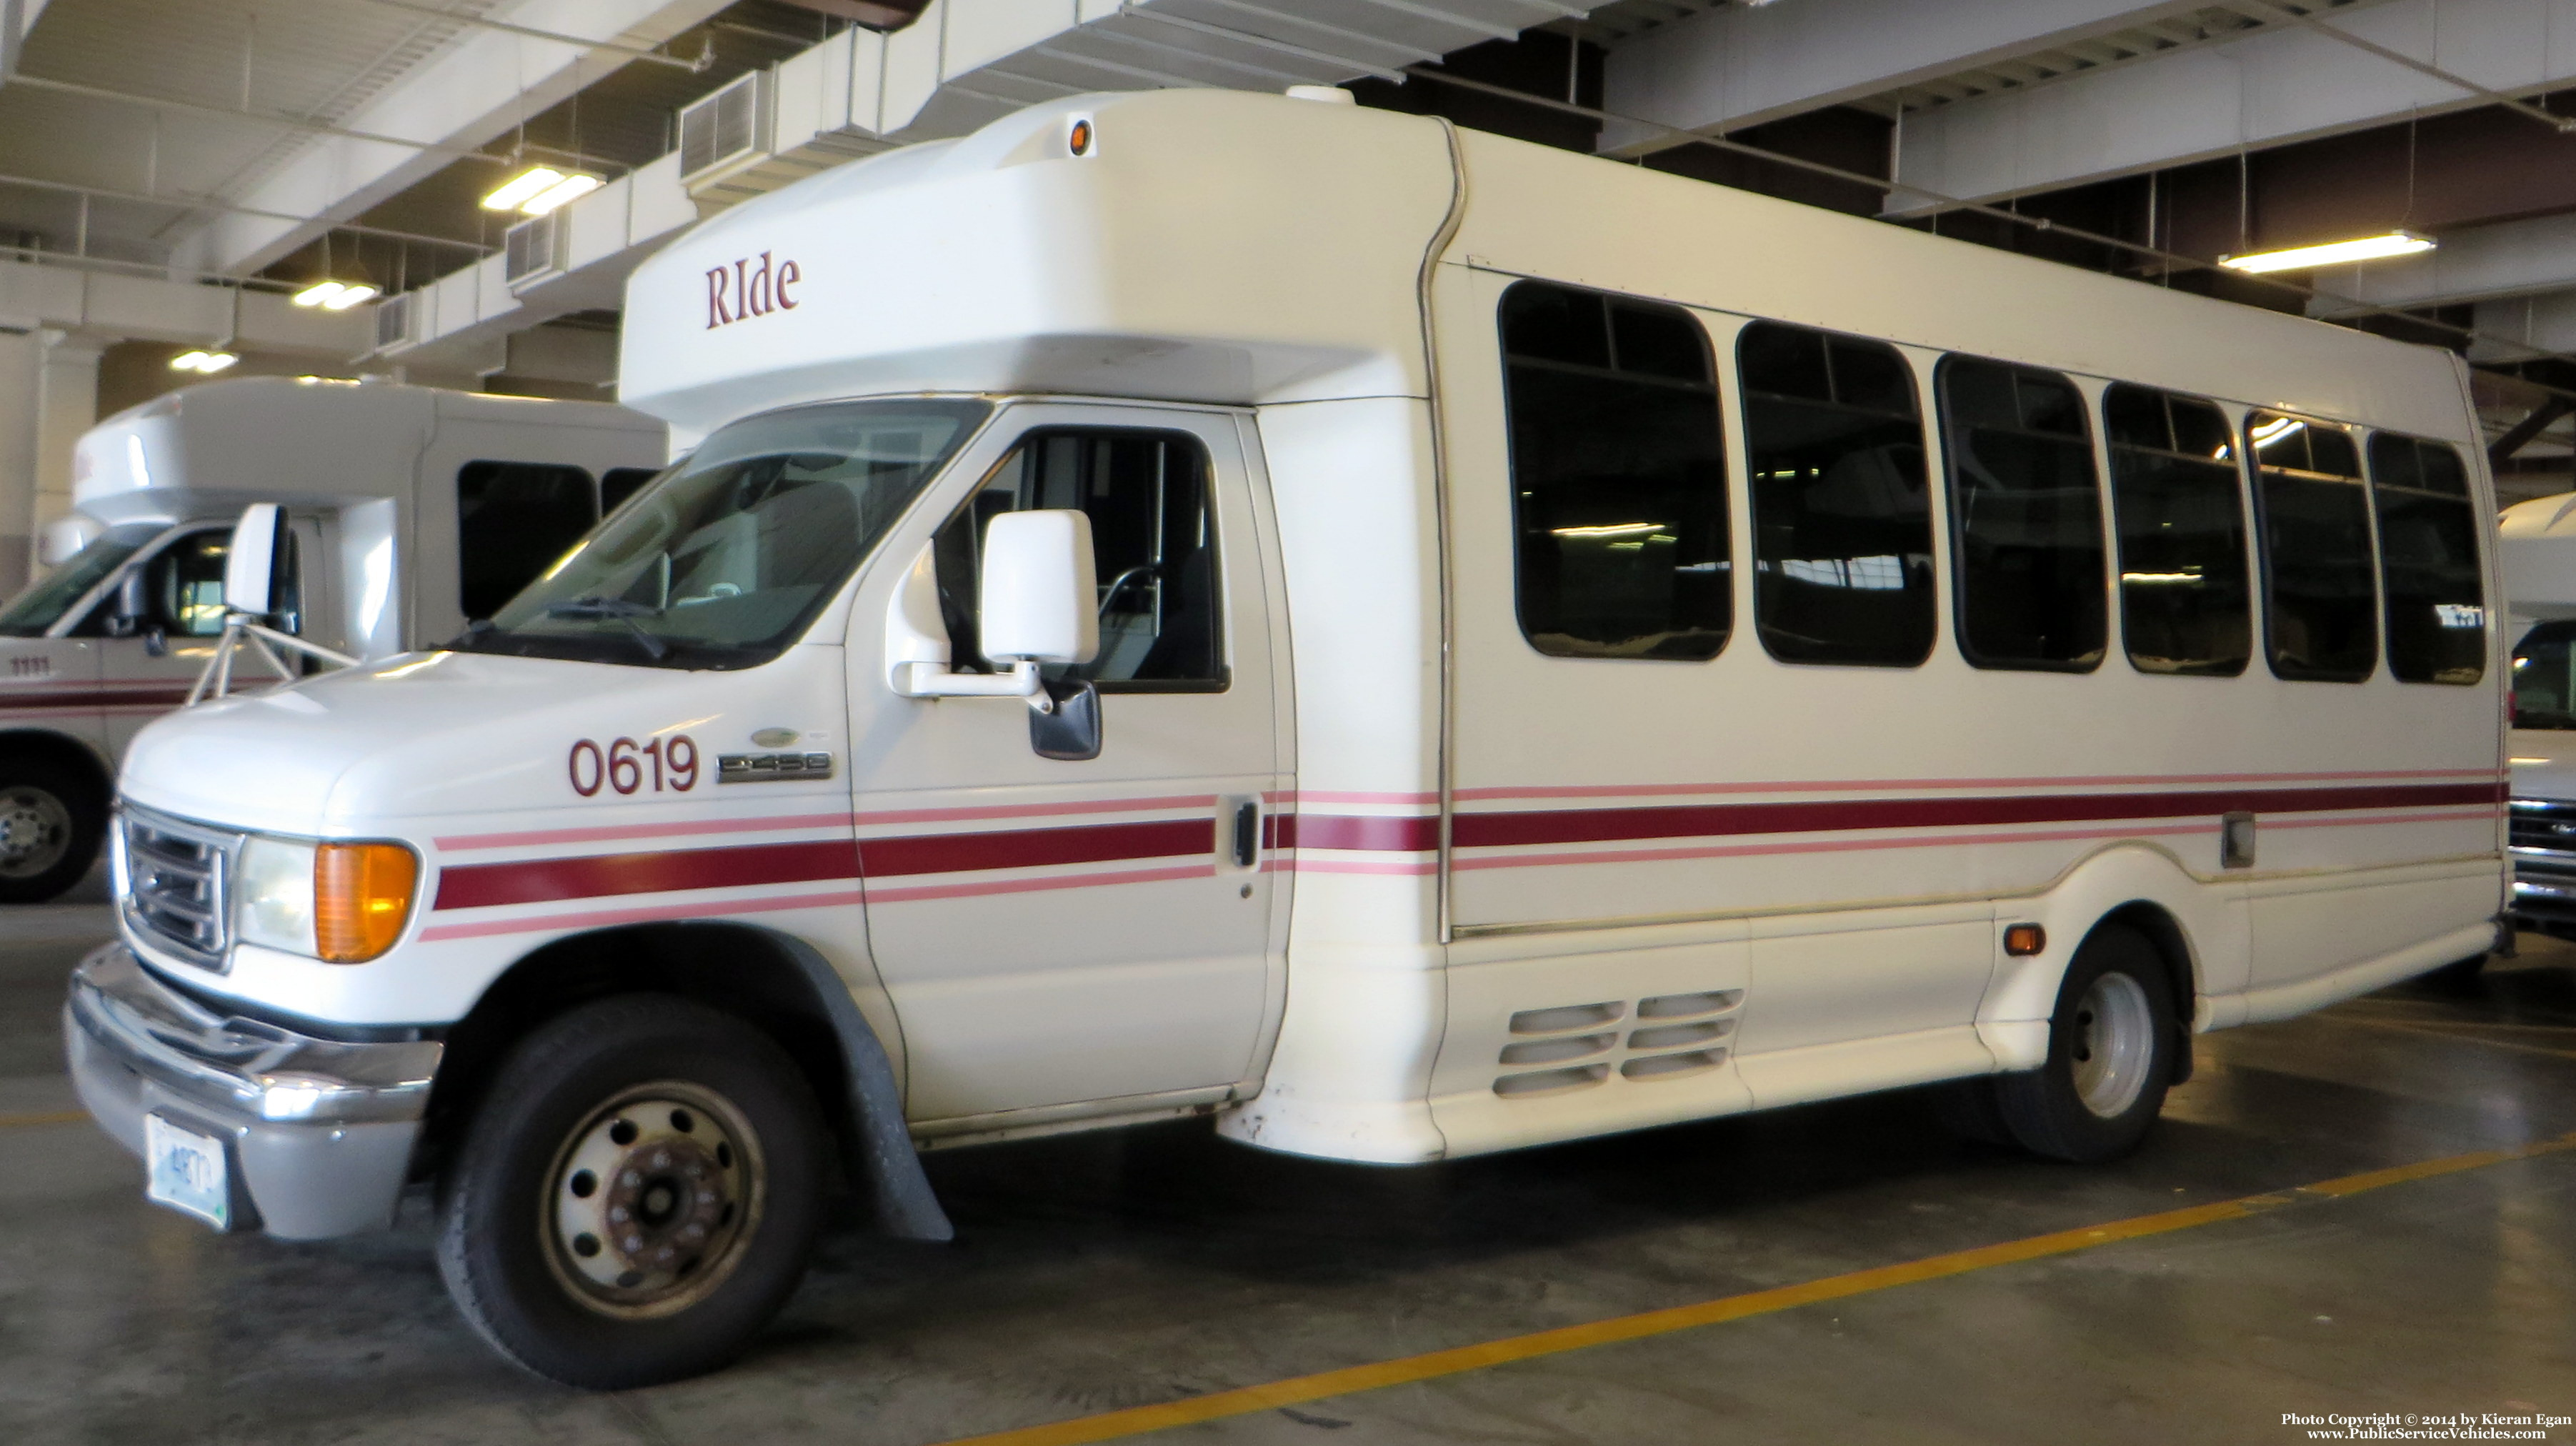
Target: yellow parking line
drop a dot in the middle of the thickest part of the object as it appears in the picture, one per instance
(1246, 1400)
(40, 1121)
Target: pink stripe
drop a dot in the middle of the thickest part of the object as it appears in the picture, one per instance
(1304, 865)
(1818, 846)
(604, 918)
(1327, 795)
(2479, 815)
(1653, 790)
(462, 842)
(913, 893)
(1022, 810)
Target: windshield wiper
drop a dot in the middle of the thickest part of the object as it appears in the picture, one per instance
(616, 609)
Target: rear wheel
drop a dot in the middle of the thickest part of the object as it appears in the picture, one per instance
(637, 1196)
(2110, 1056)
(51, 820)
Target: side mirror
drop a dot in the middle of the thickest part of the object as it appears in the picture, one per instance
(1040, 593)
(251, 568)
(126, 610)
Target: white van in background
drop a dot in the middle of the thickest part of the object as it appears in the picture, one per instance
(2537, 550)
(412, 510)
(1404, 642)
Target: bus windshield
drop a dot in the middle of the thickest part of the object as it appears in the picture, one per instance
(32, 612)
(724, 560)
(2544, 685)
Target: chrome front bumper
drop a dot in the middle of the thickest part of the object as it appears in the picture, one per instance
(319, 1131)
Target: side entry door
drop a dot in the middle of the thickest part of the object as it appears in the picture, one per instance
(1082, 932)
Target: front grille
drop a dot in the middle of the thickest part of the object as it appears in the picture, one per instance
(177, 879)
(2546, 824)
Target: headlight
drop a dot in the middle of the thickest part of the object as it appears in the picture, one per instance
(344, 903)
(273, 894)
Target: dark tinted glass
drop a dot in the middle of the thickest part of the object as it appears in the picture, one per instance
(1153, 546)
(2544, 682)
(1842, 521)
(2025, 517)
(619, 483)
(1618, 477)
(513, 519)
(2176, 498)
(2428, 561)
(2320, 608)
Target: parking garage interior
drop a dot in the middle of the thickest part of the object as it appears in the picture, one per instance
(2358, 1220)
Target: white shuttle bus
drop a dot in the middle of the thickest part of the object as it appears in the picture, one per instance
(2537, 549)
(411, 510)
(1402, 641)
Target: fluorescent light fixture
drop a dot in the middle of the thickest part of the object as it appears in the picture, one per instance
(510, 194)
(208, 362)
(570, 188)
(349, 296)
(2333, 253)
(1615, 529)
(320, 293)
(187, 361)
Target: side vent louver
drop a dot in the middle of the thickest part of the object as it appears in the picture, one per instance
(393, 321)
(1680, 1044)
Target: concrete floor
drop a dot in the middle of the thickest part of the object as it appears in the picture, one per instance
(1094, 1273)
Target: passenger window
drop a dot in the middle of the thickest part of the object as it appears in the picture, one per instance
(513, 519)
(2316, 549)
(1842, 524)
(2025, 518)
(2428, 561)
(1153, 541)
(619, 483)
(2177, 498)
(1618, 477)
(187, 584)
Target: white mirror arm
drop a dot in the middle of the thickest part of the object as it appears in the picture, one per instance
(933, 680)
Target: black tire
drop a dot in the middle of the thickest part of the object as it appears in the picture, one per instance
(2116, 1040)
(719, 1097)
(52, 818)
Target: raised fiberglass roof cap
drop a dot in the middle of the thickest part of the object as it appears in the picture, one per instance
(1201, 245)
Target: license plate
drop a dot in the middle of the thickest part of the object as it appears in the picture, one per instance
(186, 1172)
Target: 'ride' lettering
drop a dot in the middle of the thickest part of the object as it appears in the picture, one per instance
(743, 290)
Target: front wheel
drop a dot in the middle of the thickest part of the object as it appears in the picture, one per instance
(637, 1195)
(51, 821)
(2110, 1056)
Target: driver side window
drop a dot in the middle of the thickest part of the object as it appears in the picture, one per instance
(1153, 538)
(186, 585)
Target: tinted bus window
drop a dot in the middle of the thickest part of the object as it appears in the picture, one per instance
(2428, 561)
(2025, 518)
(2177, 500)
(513, 519)
(619, 483)
(2320, 605)
(1618, 477)
(1842, 546)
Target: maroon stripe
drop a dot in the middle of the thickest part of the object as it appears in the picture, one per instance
(91, 698)
(530, 881)
(951, 853)
(1597, 825)
(1373, 833)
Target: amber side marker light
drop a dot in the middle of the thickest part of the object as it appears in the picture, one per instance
(361, 898)
(1079, 142)
(2020, 940)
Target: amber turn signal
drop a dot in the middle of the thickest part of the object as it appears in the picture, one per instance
(2020, 940)
(361, 898)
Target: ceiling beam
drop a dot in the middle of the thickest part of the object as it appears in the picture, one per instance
(2268, 88)
(1739, 66)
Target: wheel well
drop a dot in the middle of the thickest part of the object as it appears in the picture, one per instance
(66, 751)
(2161, 930)
(744, 971)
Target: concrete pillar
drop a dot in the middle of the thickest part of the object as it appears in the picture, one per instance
(22, 370)
(67, 401)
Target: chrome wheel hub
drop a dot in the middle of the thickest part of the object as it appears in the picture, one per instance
(653, 1200)
(2115, 1044)
(35, 831)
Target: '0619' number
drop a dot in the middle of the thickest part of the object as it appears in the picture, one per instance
(621, 766)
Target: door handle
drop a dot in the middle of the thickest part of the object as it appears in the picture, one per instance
(1247, 834)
